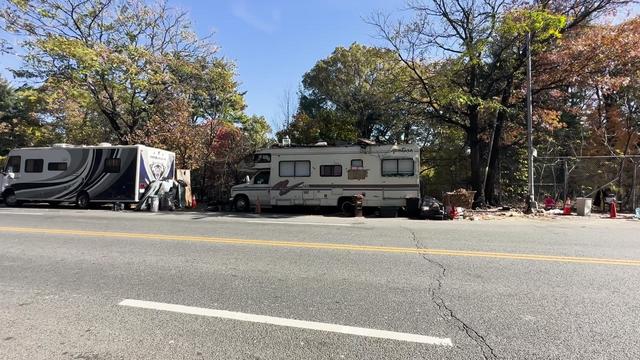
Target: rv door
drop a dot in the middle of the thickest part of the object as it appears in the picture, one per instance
(261, 188)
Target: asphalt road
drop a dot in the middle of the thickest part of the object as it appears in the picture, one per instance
(112, 285)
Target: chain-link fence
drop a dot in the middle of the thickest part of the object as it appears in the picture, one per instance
(596, 177)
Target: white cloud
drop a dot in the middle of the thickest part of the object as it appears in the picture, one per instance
(241, 10)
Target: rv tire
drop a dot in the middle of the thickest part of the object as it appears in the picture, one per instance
(241, 203)
(347, 206)
(10, 199)
(82, 201)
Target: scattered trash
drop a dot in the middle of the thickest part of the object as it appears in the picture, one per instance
(453, 213)
(432, 209)
(159, 195)
(549, 202)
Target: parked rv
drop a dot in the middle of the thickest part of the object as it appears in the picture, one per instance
(385, 175)
(82, 174)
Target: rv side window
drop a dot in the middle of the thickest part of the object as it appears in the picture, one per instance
(357, 164)
(13, 164)
(33, 165)
(57, 166)
(262, 158)
(295, 168)
(112, 165)
(331, 170)
(397, 167)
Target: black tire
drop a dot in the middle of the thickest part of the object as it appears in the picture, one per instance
(10, 199)
(241, 203)
(83, 201)
(347, 206)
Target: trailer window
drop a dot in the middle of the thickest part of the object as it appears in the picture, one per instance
(397, 167)
(331, 170)
(112, 165)
(295, 168)
(13, 164)
(33, 165)
(57, 166)
(357, 164)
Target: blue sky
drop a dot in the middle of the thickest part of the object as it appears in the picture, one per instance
(275, 42)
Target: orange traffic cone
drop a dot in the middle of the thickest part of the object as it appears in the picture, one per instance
(567, 207)
(613, 212)
(193, 202)
(258, 207)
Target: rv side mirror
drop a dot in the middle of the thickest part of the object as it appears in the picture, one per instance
(247, 180)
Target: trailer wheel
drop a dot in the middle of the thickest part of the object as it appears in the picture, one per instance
(241, 203)
(82, 201)
(10, 199)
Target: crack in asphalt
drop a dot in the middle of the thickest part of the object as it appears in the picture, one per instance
(445, 311)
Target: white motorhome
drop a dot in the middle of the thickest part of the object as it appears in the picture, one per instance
(83, 174)
(385, 175)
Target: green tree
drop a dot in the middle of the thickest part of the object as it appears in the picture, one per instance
(123, 60)
(20, 124)
(355, 92)
(467, 60)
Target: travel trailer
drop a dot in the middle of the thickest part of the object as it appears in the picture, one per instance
(385, 175)
(83, 174)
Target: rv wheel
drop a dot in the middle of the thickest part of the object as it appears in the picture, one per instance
(347, 206)
(241, 203)
(82, 201)
(10, 199)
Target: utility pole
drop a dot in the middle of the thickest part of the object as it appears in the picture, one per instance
(531, 199)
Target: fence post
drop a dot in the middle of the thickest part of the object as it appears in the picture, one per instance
(566, 179)
(633, 186)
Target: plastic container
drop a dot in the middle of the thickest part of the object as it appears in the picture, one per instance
(583, 206)
(154, 203)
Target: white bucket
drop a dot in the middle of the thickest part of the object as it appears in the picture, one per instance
(154, 203)
(583, 206)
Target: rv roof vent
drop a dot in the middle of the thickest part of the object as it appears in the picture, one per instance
(321, 143)
(105, 144)
(61, 145)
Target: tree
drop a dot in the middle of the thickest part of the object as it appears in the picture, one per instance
(20, 125)
(355, 92)
(589, 83)
(480, 56)
(123, 59)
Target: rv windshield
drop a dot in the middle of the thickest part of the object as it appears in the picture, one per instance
(13, 164)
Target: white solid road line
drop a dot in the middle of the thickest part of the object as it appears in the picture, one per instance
(19, 213)
(295, 223)
(311, 325)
